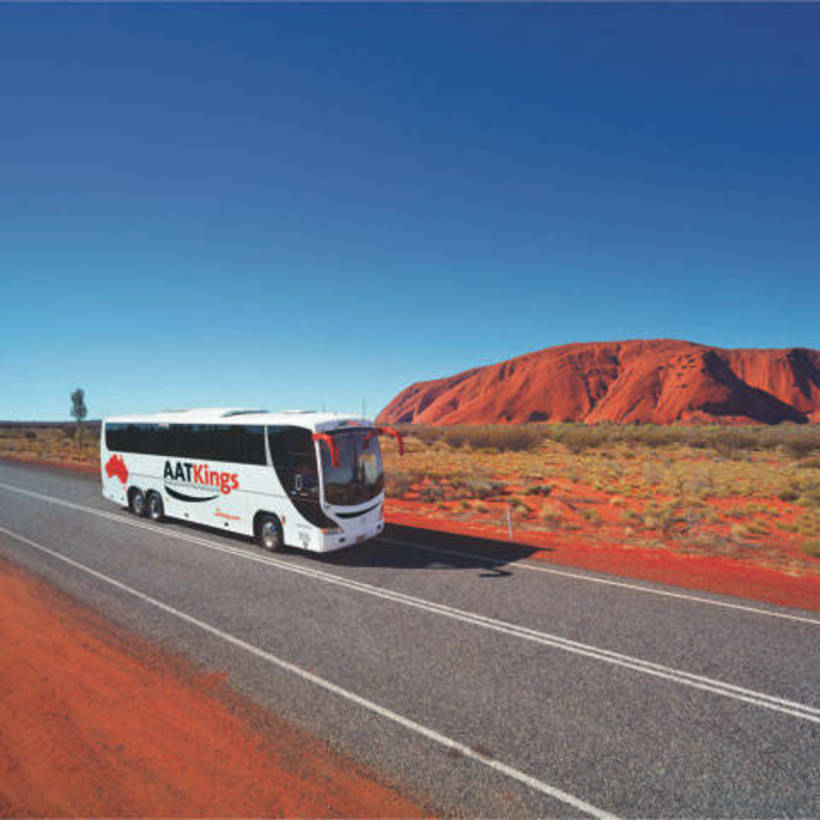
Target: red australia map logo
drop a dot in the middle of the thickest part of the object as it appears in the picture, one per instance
(116, 467)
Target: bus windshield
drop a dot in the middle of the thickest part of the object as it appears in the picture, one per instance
(359, 476)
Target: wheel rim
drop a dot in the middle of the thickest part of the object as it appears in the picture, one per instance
(153, 506)
(270, 535)
(139, 503)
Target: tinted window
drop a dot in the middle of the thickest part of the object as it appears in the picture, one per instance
(294, 458)
(227, 442)
(254, 445)
(153, 439)
(244, 444)
(137, 438)
(191, 440)
(114, 437)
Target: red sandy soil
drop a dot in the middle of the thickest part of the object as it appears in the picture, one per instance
(725, 576)
(96, 722)
(659, 381)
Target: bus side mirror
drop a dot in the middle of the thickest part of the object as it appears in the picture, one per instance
(391, 431)
(331, 445)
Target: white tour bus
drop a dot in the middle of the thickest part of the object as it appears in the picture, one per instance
(309, 480)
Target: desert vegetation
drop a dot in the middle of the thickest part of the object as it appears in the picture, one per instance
(58, 443)
(745, 492)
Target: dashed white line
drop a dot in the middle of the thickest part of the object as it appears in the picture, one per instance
(407, 723)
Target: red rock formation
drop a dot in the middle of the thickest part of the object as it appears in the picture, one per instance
(660, 381)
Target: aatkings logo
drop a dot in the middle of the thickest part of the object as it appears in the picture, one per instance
(199, 474)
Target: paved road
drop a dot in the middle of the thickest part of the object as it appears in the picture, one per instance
(483, 688)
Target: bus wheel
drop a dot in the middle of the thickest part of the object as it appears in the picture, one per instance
(269, 533)
(136, 501)
(156, 511)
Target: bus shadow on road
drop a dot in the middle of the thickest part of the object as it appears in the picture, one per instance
(422, 548)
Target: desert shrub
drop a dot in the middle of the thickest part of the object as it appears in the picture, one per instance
(653, 474)
(433, 491)
(579, 438)
(810, 498)
(538, 489)
(398, 483)
(808, 524)
(477, 486)
(423, 432)
(30, 435)
(660, 518)
(501, 438)
(799, 446)
(549, 513)
(593, 516)
(812, 547)
(809, 464)
(728, 442)
(788, 494)
(519, 506)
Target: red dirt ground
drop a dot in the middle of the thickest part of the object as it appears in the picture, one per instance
(708, 573)
(659, 380)
(96, 722)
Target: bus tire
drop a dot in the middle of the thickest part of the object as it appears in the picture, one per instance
(155, 508)
(269, 533)
(136, 501)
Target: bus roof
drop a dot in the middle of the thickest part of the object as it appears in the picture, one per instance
(309, 419)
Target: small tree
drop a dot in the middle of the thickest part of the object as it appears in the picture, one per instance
(79, 411)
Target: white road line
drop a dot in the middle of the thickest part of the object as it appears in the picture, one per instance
(389, 714)
(474, 556)
(739, 693)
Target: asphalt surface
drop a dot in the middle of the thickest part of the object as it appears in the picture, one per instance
(476, 686)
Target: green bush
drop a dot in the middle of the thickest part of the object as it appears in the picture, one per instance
(538, 489)
(477, 487)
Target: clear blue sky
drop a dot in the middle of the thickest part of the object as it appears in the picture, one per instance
(291, 206)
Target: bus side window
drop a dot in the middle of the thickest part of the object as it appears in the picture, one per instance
(191, 440)
(277, 441)
(253, 451)
(154, 439)
(226, 442)
(114, 437)
(294, 454)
